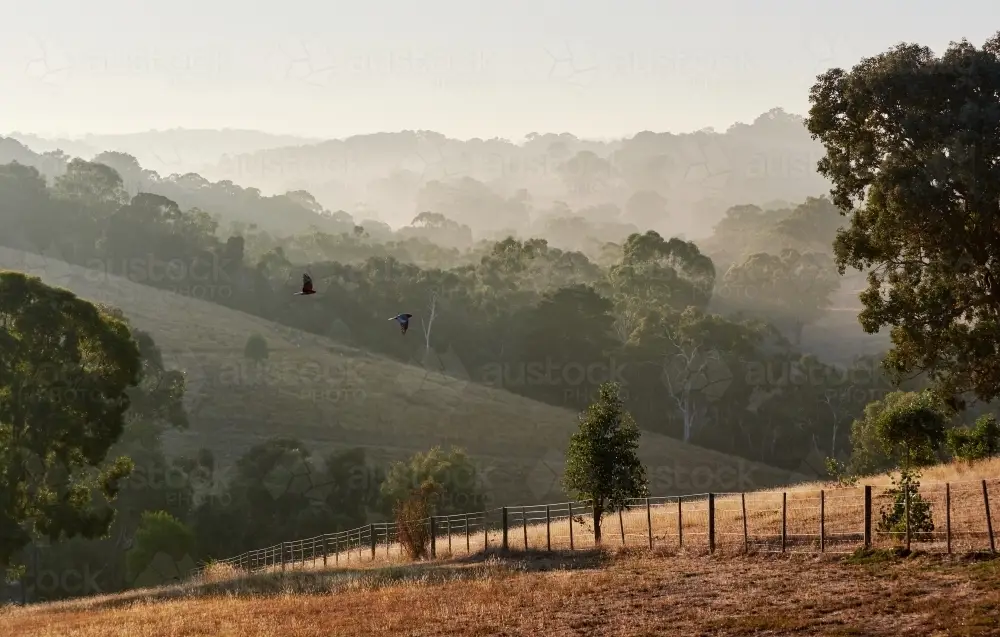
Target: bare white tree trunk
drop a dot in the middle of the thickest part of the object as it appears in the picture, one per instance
(695, 365)
(426, 327)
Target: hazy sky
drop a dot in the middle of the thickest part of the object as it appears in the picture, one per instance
(463, 68)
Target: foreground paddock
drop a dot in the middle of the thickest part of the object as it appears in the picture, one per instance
(633, 594)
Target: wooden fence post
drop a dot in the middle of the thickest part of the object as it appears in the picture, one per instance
(433, 538)
(680, 523)
(621, 525)
(711, 523)
(649, 524)
(503, 514)
(947, 515)
(468, 545)
(548, 528)
(447, 521)
(524, 522)
(486, 530)
(784, 519)
(371, 532)
(570, 505)
(746, 529)
(325, 550)
(868, 516)
(822, 521)
(282, 556)
(989, 520)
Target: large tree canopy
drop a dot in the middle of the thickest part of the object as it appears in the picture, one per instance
(65, 371)
(913, 149)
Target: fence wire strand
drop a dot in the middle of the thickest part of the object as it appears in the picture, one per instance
(943, 517)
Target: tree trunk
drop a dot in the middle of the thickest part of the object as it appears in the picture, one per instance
(598, 514)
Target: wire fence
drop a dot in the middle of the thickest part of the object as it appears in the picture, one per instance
(942, 517)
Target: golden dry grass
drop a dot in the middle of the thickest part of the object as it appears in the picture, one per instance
(842, 524)
(332, 396)
(628, 594)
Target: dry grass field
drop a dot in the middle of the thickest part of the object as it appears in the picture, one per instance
(634, 593)
(682, 524)
(332, 396)
(671, 590)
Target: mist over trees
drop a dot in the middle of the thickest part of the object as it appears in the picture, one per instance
(702, 276)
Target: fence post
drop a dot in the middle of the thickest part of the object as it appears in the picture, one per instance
(524, 522)
(868, 516)
(746, 530)
(282, 556)
(649, 524)
(989, 520)
(621, 525)
(486, 530)
(822, 521)
(947, 515)
(468, 546)
(784, 519)
(906, 513)
(711, 523)
(326, 549)
(680, 524)
(371, 532)
(570, 505)
(548, 528)
(503, 515)
(433, 539)
(448, 531)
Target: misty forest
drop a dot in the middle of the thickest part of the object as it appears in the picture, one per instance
(750, 310)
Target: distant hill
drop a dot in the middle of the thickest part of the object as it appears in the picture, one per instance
(178, 150)
(332, 396)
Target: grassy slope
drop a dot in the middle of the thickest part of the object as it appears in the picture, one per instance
(634, 595)
(332, 396)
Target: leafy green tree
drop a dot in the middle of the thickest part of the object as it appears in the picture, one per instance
(790, 287)
(159, 536)
(654, 274)
(602, 464)
(913, 150)
(978, 442)
(65, 372)
(455, 476)
(908, 427)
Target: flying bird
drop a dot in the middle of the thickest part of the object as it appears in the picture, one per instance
(403, 320)
(307, 286)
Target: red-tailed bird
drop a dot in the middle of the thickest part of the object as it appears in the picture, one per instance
(307, 286)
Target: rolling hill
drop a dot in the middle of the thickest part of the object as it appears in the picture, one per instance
(332, 397)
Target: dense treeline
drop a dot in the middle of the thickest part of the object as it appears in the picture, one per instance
(517, 314)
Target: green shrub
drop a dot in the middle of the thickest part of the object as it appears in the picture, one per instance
(894, 518)
(979, 442)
